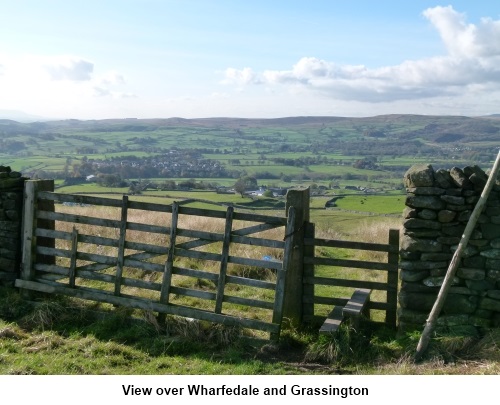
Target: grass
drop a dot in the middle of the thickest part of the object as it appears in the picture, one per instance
(69, 337)
(62, 335)
(378, 204)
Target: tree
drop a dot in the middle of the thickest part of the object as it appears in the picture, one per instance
(245, 183)
(110, 180)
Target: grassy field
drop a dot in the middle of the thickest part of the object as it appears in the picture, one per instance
(305, 149)
(67, 336)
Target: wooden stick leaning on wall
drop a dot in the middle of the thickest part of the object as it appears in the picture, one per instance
(452, 268)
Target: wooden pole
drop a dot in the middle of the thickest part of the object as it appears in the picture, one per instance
(30, 222)
(299, 199)
(452, 268)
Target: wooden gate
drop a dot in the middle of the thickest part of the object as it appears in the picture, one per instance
(117, 257)
(328, 280)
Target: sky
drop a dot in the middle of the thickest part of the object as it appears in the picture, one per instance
(251, 59)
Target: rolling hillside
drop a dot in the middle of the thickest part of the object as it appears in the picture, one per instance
(310, 148)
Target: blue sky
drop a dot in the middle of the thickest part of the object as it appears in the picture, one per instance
(195, 58)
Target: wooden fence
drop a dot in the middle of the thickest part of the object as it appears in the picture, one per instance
(121, 257)
(322, 270)
(124, 269)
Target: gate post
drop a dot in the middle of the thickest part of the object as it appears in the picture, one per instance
(299, 199)
(29, 239)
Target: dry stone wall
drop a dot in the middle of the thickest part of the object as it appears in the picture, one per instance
(11, 205)
(439, 204)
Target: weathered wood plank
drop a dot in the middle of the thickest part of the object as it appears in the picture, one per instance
(133, 260)
(191, 292)
(132, 302)
(195, 254)
(211, 238)
(90, 275)
(142, 256)
(29, 238)
(129, 261)
(146, 266)
(193, 244)
(147, 248)
(149, 228)
(250, 282)
(308, 288)
(249, 230)
(393, 280)
(49, 276)
(53, 251)
(240, 216)
(169, 263)
(332, 322)
(266, 264)
(146, 285)
(235, 239)
(78, 219)
(299, 199)
(80, 199)
(252, 241)
(250, 217)
(221, 283)
(51, 233)
(99, 240)
(51, 268)
(195, 273)
(92, 257)
(149, 206)
(91, 239)
(200, 212)
(356, 264)
(249, 302)
(121, 245)
(341, 282)
(279, 295)
(208, 236)
(72, 265)
(44, 205)
(376, 247)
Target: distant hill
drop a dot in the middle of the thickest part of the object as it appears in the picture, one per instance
(308, 147)
(19, 116)
(438, 129)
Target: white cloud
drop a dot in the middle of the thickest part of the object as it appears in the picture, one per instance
(100, 91)
(113, 78)
(69, 68)
(462, 39)
(59, 86)
(240, 77)
(105, 92)
(471, 65)
(106, 85)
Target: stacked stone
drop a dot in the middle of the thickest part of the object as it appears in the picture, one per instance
(11, 203)
(438, 206)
